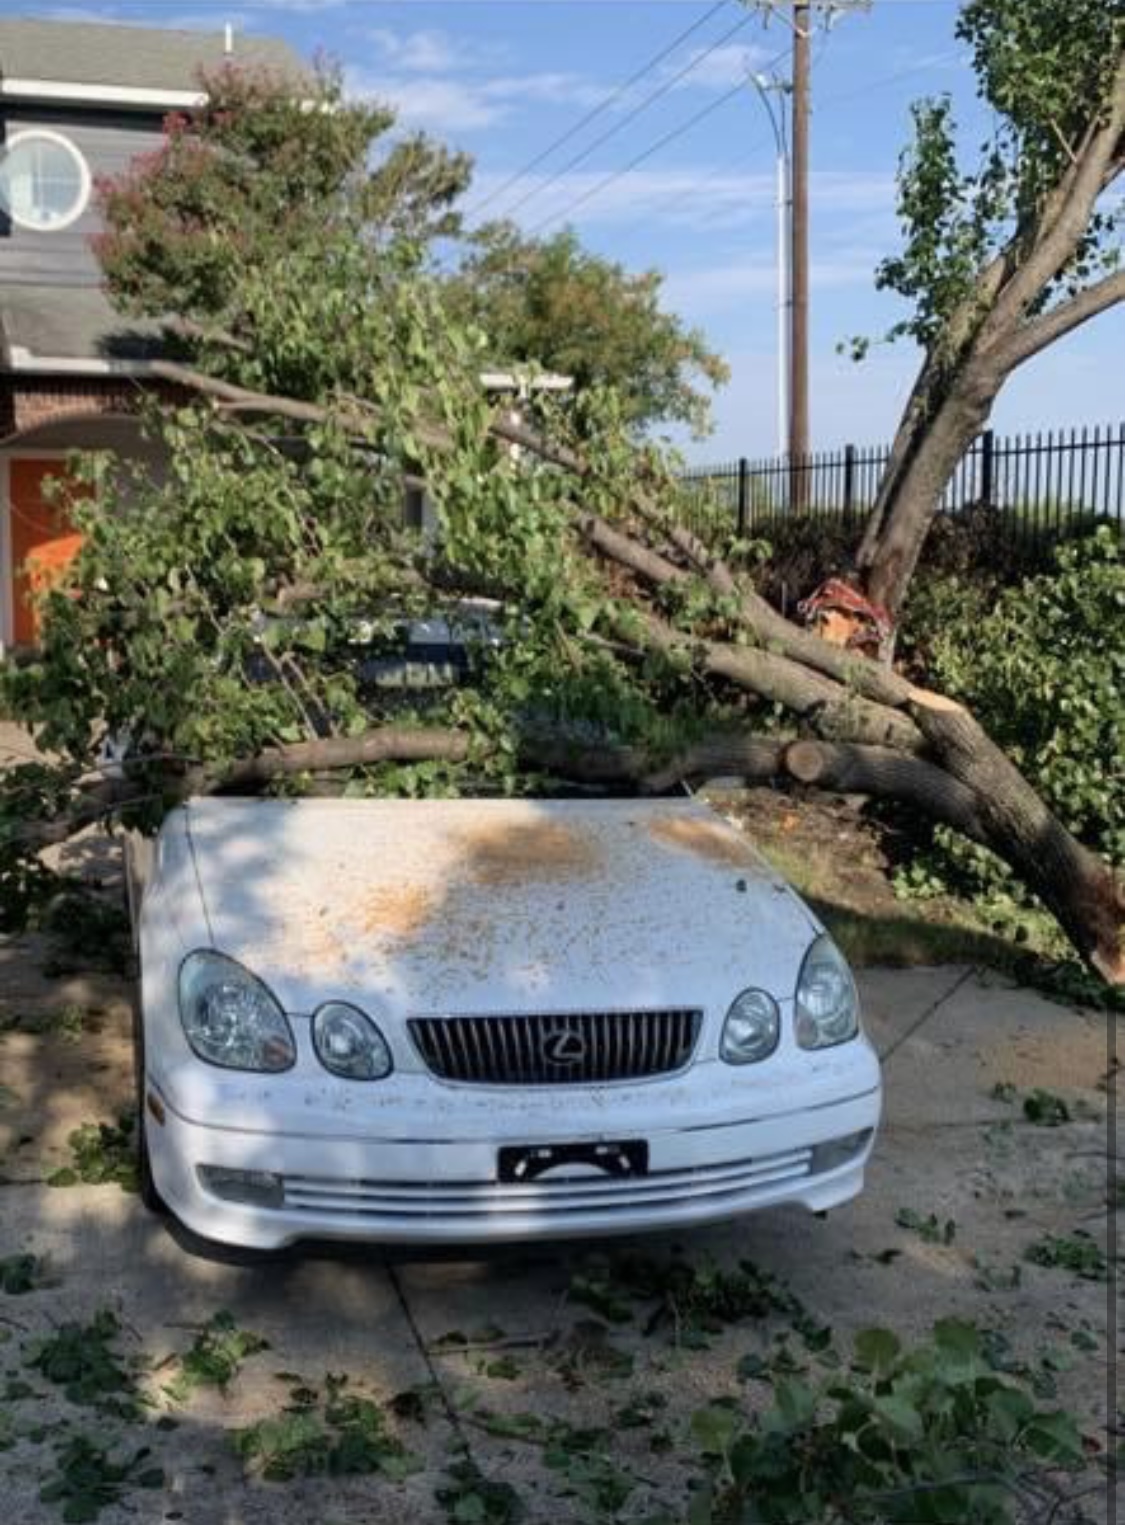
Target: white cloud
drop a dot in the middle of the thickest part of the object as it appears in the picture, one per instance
(554, 89)
(424, 52)
(187, 21)
(440, 105)
(299, 7)
(434, 51)
(852, 190)
(692, 196)
(715, 288)
(860, 404)
(720, 68)
(450, 82)
(907, 61)
(850, 404)
(444, 104)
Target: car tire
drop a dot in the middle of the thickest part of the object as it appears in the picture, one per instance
(146, 1186)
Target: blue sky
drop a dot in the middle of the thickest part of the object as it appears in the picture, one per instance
(506, 79)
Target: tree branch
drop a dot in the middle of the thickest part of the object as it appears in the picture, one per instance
(385, 744)
(833, 709)
(238, 400)
(206, 333)
(1064, 217)
(850, 670)
(1062, 319)
(868, 679)
(883, 772)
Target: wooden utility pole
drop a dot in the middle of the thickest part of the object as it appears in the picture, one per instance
(799, 257)
(800, 16)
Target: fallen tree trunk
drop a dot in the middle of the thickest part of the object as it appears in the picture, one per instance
(991, 807)
(386, 744)
(841, 768)
(1081, 891)
(876, 731)
(887, 774)
(995, 805)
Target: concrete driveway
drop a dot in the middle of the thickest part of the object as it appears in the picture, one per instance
(462, 1347)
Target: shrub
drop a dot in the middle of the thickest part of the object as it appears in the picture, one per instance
(1042, 666)
(930, 1434)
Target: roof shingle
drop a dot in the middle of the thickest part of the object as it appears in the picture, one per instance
(131, 57)
(71, 323)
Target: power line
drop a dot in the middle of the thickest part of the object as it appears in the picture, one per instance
(891, 79)
(630, 116)
(602, 106)
(647, 153)
(744, 159)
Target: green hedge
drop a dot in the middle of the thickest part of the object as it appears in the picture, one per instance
(1042, 666)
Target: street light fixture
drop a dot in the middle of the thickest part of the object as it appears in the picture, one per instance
(766, 84)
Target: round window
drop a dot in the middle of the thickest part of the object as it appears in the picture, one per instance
(44, 181)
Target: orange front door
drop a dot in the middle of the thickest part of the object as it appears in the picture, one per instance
(43, 543)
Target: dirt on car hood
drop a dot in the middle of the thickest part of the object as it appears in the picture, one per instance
(494, 905)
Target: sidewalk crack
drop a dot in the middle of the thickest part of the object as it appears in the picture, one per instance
(453, 1418)
(947, 995)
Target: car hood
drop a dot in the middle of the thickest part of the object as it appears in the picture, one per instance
(494, 906)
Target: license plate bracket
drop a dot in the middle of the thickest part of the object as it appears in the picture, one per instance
(520, 1163)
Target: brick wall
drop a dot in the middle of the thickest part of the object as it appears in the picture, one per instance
(28, 402)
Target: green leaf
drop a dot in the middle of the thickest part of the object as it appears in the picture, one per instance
(1055, 1438)
(715, 1428)
(1008, 1410)
(902, 1417)
(795, 1402)
(958, 1339)
(470, 1509)
(876, 1350)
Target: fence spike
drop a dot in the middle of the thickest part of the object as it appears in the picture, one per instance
(1049, 476)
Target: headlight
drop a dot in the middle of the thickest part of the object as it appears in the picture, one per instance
(230, 1018)
(827, 1007)
(751, 1029)
(349, 1044)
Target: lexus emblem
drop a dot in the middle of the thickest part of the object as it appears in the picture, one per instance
(564, 1047)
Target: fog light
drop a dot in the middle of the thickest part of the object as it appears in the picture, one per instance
(839, 1151)
(257, 1188)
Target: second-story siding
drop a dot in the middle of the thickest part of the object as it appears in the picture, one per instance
(108, 142)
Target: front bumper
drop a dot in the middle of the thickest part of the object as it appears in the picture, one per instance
(417, 1189)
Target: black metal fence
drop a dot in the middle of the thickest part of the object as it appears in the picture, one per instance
(1043, 487)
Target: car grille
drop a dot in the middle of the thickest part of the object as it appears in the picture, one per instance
(570, 1048)
(462, 1204)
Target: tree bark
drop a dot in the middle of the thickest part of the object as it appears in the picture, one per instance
(385, 744)
(1077, 887)
(887, 774)
(994, 329)
(890, 557)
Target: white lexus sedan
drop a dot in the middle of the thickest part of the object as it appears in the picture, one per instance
(459, 1021)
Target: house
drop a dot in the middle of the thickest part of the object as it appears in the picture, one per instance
(77, 101)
